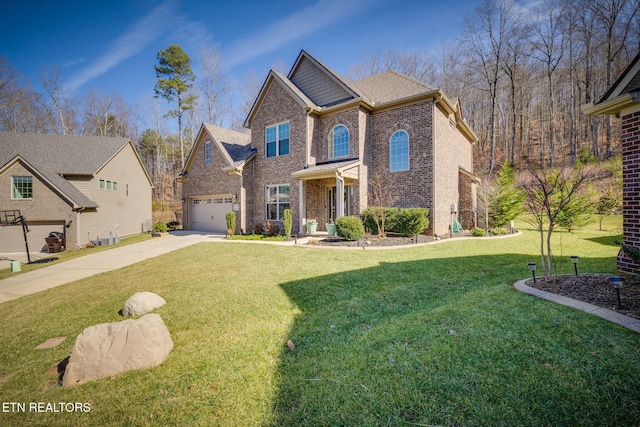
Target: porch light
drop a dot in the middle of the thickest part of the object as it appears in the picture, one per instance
(532, 266)
(617, 282)
(574, 260)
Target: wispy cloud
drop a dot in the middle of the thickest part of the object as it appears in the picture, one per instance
(291, 28)
(136, 39)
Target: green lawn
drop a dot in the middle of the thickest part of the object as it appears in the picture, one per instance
(426, 335)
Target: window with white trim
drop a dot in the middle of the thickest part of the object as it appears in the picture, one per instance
(207, 153)
(339, 142)
(109, 185)
(21, 187)
(277, 140)
(399, 151)
(278, 199)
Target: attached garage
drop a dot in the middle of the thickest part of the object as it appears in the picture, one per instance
(208, 213)
(12, 237)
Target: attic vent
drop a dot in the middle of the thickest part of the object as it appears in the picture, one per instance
(452, 123)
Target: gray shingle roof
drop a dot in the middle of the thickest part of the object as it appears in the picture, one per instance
(236, 144)
(391, 86)
(54, 156)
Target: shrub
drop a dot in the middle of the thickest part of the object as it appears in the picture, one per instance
(370, 222)
(160, 227)
(230, 217)
(499, 230)
(266, 228)
(288, 223)
(478, 232)
(411, 221)
(172, 225)
(349, 227)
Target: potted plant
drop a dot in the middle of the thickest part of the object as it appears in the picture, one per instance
(331, 228)
(311, 226)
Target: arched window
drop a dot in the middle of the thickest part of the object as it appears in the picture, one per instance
(399, 151)
(339, 142)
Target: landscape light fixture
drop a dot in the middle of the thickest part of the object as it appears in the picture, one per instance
(574, 260)
(617, 282)
(532, 266)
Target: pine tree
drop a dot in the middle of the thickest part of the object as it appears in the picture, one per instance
(175, 79)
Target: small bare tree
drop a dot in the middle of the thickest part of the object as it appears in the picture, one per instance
(382, 198)
(549, 195)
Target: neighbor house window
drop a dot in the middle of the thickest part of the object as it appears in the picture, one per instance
(207, 153)
(399, 151)
(21, 187)
(277, 140)
(278, 199)
(339, 142)
(108, 185)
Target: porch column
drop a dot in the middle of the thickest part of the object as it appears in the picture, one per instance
(339, 196)
(302, 207)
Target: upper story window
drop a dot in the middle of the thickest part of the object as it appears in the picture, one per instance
(108, 185)
(399, 151)
(277, 140)
(21, 187)
(339, 142)
(207, 153)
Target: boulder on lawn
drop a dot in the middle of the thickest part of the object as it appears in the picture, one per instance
(142, 303)
(109, 349)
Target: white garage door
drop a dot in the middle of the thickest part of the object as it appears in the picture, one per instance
(12, 237)
(208, 213)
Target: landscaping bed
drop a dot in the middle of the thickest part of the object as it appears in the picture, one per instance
(595, 289)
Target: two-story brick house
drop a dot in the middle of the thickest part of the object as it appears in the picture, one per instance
(318, 140)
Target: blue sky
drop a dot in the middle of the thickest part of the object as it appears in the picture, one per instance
(112, 46)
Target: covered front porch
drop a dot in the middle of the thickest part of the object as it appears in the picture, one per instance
(329, 191)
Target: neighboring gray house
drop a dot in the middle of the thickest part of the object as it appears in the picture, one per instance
(317, 140)
(83, 186)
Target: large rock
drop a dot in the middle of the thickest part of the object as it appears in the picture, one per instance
(142, 303)
(109, 349)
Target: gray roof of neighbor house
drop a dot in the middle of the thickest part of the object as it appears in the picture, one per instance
(56, 156)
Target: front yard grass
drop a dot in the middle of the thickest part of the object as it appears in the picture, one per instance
(429, 335)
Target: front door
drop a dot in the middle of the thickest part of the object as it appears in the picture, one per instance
(348, 201)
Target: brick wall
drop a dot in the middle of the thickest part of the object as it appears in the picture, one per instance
(208, 180)
(630, 189)
(412, 188)
(277, 106)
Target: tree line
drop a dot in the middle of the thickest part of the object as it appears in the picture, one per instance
(521, 72)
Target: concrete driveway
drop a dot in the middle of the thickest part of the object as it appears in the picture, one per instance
(88, 265)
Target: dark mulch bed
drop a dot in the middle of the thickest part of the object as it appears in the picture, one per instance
(595, 289)
(375, 241)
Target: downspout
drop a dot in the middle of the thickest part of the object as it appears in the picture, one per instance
(433, 164)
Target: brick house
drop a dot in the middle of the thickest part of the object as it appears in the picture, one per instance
(84, 187)
(623, 100)
(318, 140)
